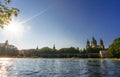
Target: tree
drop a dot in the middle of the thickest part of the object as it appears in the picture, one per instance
(68, 50)
(8, 50)
(114, 48)
(6, 13)
(46, 50)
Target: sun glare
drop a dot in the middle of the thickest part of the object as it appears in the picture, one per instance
(14, 28)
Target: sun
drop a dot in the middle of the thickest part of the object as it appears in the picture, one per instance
(14, 29)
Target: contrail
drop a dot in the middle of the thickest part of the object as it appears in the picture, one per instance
(32, 17)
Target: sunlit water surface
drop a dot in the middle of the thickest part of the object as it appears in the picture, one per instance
(24, 67)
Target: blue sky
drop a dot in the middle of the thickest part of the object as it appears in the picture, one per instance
(66, 23)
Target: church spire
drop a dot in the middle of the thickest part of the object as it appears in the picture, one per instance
(93, 42)
(54, 49)
(101, 44)
(88, 44)
(37, 47)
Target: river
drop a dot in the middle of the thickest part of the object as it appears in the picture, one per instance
(38, 67)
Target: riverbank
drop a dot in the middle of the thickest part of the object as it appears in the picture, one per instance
(67, 58)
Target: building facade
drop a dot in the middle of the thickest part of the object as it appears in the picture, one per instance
(93, 44)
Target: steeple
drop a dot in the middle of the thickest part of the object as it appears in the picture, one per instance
(88, 44)
(37, 47)
(54, 49)
(101, 44)
(93, 42)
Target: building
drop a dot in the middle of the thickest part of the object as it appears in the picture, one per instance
(103, 54)
(93, 44)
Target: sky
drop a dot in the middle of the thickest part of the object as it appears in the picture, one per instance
(64, 23)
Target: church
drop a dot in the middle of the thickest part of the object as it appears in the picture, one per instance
(93, 44)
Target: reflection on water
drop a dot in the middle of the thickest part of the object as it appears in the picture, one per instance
(5, 64)
(11, 67)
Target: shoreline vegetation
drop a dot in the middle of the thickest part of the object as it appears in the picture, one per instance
(92, 50)
(65, 58)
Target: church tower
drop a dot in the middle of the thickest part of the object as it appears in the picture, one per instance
(37, 47)
(101, 44)
(54, 49)
(93, 43)
(87, 44)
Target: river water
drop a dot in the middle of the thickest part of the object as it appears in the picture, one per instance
(25, 67)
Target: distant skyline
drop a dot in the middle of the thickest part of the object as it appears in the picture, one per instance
(64, 23)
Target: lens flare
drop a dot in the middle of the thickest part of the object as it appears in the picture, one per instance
(14, 29)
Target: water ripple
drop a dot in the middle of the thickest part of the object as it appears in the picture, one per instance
(11, 67)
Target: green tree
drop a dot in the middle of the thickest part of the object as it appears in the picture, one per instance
(68, 50)
(46, 50)
(8, 50)
(6, 13)
(114, 48)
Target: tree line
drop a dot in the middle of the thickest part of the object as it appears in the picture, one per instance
(60, 53)
(7, 50)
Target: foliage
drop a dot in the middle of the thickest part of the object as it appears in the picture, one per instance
(6, 13)
(50, 52)
(68, 50)
(8, 50)
(84, 51)
(114, 48)
(46, 50)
